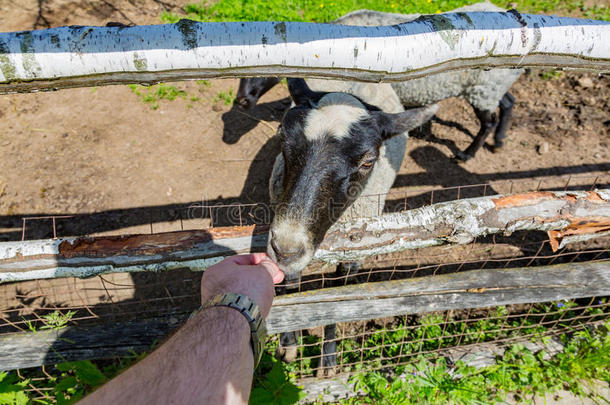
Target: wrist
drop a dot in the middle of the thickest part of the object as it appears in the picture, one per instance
(229, 325)
(254, 283)
(250, 312)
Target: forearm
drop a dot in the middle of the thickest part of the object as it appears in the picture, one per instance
(208, 361)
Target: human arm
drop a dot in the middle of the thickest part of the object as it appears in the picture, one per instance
(209, 359)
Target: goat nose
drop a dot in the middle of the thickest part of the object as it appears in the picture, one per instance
(283, 253)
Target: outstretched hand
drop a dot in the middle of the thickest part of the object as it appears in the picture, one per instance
(252, 275)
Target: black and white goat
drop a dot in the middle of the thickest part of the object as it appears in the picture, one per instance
(485, 90)
(339, 150)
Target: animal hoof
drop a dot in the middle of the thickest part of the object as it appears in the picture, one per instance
(326, 372)
(497, 147)
(287, 354)
(463, 156)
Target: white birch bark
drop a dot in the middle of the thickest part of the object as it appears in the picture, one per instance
(92, 56)
(576, 215)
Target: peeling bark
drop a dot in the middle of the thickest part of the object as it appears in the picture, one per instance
(79, 56)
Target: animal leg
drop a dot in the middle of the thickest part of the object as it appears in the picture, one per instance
(506, 106)
(329, 352)
(328, 361)
(348, 269)
(488, 124)
(287, 350)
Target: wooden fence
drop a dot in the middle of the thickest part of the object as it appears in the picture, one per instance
(567, 218)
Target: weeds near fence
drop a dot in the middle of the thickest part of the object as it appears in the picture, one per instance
(55, 320)
(324, 10)
(63, 383)
(399, 341)
(226, 97)
(404, 362)
(153, 94)
(520, 372)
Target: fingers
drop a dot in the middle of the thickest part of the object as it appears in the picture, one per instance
(277, 275)
(259, 259)
(241, 260)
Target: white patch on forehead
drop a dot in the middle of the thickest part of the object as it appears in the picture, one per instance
(290, 234)
(333, 115)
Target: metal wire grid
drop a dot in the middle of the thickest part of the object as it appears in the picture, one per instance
(386, 343)
(25, 306)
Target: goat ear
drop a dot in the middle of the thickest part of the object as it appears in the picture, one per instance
(396, 124)
(301, 94)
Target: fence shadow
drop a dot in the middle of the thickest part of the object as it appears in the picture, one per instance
(443, 180)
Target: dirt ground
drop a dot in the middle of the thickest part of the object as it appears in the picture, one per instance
(102, 150)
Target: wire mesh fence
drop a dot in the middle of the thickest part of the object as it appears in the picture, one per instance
(379, 344)
(383, 344)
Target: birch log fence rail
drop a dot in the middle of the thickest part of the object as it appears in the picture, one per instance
(79, 56)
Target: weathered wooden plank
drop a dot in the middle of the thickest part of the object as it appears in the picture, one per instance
(94, 56)
(33, 349)
(472, 289)
(581, 214)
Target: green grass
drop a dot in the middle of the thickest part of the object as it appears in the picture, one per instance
(519, 372)
(551, 74)
(324, 11)
(226, 97)
(598, 11)
(303, 10)
(151, 95)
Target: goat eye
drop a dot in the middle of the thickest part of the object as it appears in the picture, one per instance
(368, 164)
